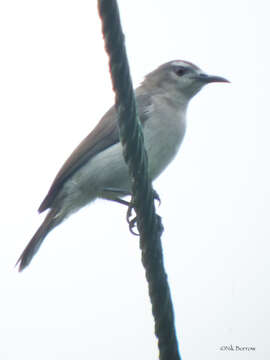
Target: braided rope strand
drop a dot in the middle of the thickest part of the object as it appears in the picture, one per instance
(148, 223)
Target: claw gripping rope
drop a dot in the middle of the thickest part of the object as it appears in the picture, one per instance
(148, 222)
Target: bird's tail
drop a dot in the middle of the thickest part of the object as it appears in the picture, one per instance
(32, 248)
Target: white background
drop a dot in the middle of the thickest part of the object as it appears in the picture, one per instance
(84, 295)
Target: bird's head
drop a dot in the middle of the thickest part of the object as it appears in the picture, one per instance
(181, 77)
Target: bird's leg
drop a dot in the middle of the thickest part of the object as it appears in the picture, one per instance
(121, 201)
(111, 194)
(130, 204)
(116, 191)
(123, 192)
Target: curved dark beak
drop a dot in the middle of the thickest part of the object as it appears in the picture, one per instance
(210, 78)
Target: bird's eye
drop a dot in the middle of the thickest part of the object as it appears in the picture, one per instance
(180, 70)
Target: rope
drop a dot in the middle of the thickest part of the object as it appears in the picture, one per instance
(148, 223)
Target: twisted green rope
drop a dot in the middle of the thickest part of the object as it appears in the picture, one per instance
(148, 223)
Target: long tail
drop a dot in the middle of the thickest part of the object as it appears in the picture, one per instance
(32, 248)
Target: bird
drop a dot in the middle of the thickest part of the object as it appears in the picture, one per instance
(96, 168)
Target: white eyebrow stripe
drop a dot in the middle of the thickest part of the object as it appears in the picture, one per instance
(185, 64)
(178, 63)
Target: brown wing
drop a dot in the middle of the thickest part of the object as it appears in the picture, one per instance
(104, 135)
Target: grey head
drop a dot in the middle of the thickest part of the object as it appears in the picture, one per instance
(179, 76)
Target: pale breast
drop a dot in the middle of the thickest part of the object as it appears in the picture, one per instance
(163, 134)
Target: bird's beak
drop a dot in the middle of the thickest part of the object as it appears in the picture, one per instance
(210, 78)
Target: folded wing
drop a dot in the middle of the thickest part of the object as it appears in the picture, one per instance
(104, 135)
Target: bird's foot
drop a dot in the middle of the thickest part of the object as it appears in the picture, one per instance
(132, 222)
(156, 197)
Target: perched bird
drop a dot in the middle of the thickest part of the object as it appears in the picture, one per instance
(96, 168)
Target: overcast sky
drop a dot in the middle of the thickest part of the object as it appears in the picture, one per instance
(85, 295)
